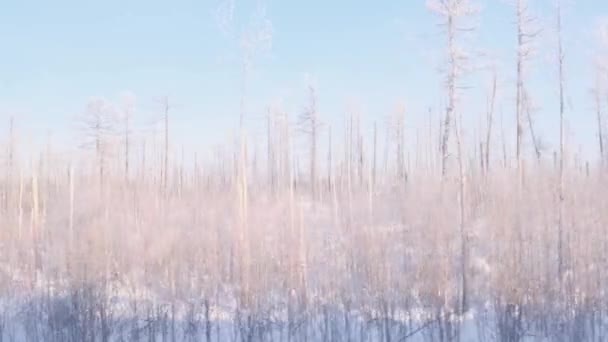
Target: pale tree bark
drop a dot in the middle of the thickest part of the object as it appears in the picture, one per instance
(35, 229)
(329, 162)
(464, 246)
(535, 140)
(387, 145)
(451, 90)
(597, 94)
(518, 100)
(243, 227)
(10, 165)
(453, 13)
(490, 122)
(525, 36)
(98, 130)
(72, 212)
(560, 60)
(373, 181)
(310, 125)
(165, 178)
(400, 142)
(127, 138)
(270, 140)
(20, 204)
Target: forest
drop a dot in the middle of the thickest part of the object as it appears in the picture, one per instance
(319, 233)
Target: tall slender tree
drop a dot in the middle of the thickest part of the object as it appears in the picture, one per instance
(98, 131)
(525, 38)
(128, 103)
(491, 105)
(310, 125)
(597, 95)
(453, 14)
(560, 64)
(165, 108)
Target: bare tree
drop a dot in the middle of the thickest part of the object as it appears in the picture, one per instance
(599, 88)
(525, 37)
(453, 13)
(165, 105)
(310, 125)
(399, 135)
(271, 158)
(597, 96)
(127, 112)
(10, 161)
(374, 157)
(490, 120)
(255, 39)
(98, 131)
(528, 108)
(329, 161)
(462, 221)
(560, 61)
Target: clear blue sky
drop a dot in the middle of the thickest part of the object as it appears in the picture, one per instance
(361, 54)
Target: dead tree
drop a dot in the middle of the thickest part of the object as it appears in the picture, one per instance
(98, 130)
(599, 89)
(126, 123)
(452, 13)
(329, 162)
(165, 104)
(270, 153)
(255, 40)
(310, 125)
(490, 121)
(597, 99)
(525, 37)
(374, 158)
(464, 246)
(399, 127)
(10, 157)
(560, 61)
(528, 108)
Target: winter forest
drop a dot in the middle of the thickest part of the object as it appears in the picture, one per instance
(467, 224)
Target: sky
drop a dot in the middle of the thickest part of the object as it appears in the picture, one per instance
(363, 57)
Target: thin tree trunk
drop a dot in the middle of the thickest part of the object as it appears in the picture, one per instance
(329, 162)
(598, 110)
(166, 147)
(374, 157)
(71, 218)
(490, 122)
(535, 143)
(560, 228)
(520, 85)
(10, 164)
(462, 225)
(451, 87)
(127, 144)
